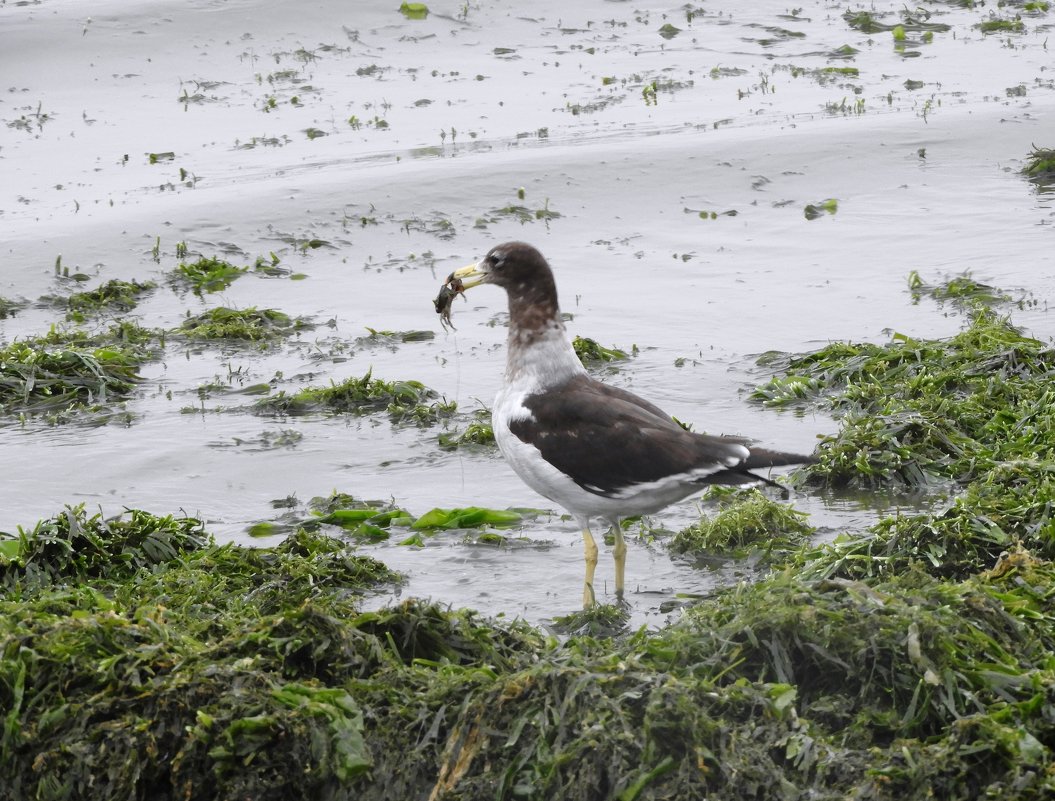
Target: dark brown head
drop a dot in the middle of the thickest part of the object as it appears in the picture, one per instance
(521, 271)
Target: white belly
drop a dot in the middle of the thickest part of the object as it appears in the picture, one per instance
(551, 483)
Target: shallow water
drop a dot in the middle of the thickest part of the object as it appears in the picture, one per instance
(453, 114)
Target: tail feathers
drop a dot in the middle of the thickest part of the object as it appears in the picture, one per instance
(761, 458)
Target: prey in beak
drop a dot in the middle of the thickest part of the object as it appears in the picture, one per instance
(444, 301)
(471, 275)
(457, 282)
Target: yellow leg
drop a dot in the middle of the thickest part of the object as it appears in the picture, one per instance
(590, 547)
(619, 552)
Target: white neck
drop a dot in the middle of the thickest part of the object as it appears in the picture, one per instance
(540, 358)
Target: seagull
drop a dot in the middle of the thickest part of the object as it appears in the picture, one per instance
(594, 449)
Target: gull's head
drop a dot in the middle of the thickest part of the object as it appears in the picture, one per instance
(517, 267)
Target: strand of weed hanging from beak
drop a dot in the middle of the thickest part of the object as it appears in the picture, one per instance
(457, 394)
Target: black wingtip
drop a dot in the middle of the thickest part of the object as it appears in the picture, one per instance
(761, 458)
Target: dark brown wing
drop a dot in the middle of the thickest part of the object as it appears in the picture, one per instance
(607, 439)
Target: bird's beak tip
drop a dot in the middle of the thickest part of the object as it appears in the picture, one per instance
(471, 275)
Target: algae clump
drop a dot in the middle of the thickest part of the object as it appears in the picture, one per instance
(72, 375)
(405, 401)
(138, 659)
(745, 520)
(246, 325)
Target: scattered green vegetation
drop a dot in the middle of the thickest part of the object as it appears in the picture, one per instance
(914, 21)
(909, 662)
(229, 671)
(242, 325)
(1015, 25)
(414, 10)
(9, 307)
(998, 522)
(865, 22)
(1040, 166)
(73, 375)
(421, 414)
(268, 440)
(76, 547)
(470, 517)
(373, 521)
(714, 215)
(823, 75)
(438, 225)
(477, 432)
(271, 267)
(211, 655)
(843, 52)
(747, 520)
(819, 209)
(364, 520)
(113, 296)
(848, 72)
(405, 401)
(920, 413)
(599, 621)
(207, 274)
(521, 214)
(590, 352)
(962, 290)
(393, 338)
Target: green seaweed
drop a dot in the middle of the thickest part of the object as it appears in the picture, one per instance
(913, 661)
(865, 22)
(914, 21)
(1040, 166)
(220, 671)
(207, 274)
(394, 338)
(920, 413)
(746, 520)
(10, 307)
(361, 520)
(403, 400)
(113, 296)
(591, 353)
(414, 10)
(372, 521)
(962, 290)
(520, 213)
(242, 325)
(477, 432)
(814, 210)
(598, 621)
(210, 654)
(271, 267)
(71, 375)
(997, 25)
(469, 517)
(1006, 511)
(76, 547)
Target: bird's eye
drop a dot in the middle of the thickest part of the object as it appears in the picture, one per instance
(496, 261)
